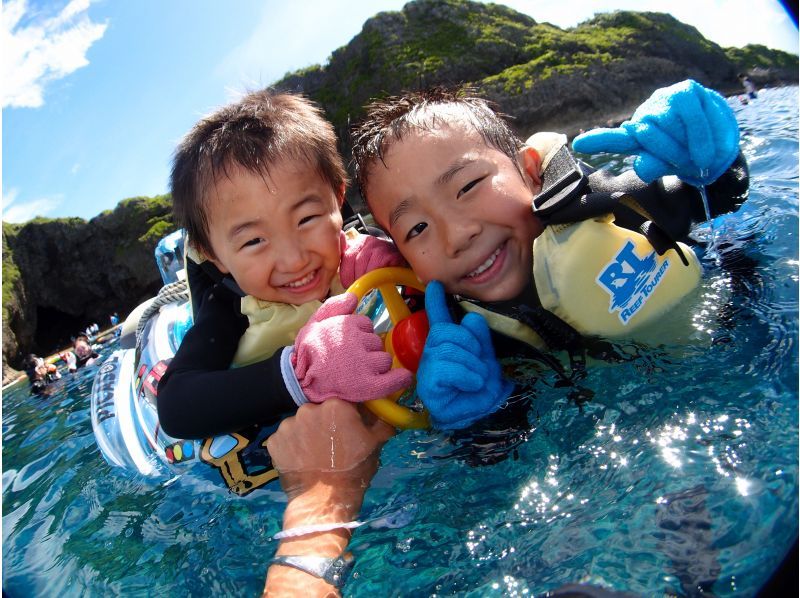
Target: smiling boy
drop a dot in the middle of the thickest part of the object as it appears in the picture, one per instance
(464, 217)
(258, 186)
(463, 200)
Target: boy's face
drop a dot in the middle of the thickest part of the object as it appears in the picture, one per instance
(458, 210)
(277, 235)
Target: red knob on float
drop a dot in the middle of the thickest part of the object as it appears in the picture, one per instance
(408, 339)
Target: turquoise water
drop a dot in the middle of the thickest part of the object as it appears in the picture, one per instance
(681, 469)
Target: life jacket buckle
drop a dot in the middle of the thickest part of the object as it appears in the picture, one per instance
(562, 181)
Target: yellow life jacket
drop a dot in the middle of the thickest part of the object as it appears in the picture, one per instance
(601, 279)
(273, 325)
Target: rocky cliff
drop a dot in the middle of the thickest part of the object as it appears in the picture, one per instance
(60, 275)
(545, 77)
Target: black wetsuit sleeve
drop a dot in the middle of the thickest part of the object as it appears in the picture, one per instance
(672, 204)
(200, 395)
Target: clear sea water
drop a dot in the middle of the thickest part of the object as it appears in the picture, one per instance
(681, 470)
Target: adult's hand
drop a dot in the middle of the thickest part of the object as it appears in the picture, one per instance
(326, 455)
(332, 443)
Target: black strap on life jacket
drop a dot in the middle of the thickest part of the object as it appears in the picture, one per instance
(560, 336)
(563, 200)
(556, 334)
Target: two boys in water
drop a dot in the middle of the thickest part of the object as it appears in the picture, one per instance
(474, 212)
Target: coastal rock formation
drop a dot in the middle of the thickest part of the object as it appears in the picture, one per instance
(60, 275)
(543, 76)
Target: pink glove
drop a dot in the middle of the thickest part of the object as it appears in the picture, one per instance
(366, 253)
(338, 356)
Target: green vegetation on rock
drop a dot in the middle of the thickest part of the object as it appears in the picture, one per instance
(757, 56)
(11, 272)
(159, 229)
(81, 270)
(506, 55)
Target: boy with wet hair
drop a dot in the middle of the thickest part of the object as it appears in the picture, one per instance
(530, 240)
(258, 186)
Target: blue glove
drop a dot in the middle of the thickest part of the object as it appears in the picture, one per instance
(459, 380)
(684, 129)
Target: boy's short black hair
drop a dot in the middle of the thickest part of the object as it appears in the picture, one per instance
(252, 133)
(389, 119)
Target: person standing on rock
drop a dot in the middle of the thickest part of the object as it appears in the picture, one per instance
(749, 86)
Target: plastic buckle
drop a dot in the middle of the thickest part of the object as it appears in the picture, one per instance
(562, 180)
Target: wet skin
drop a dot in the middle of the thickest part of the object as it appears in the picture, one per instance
(459, 210)
(277, 234)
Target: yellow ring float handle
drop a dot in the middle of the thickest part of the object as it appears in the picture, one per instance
(385, 280)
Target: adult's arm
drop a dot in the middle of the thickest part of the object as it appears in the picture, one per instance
(326, 455)
(200, 395)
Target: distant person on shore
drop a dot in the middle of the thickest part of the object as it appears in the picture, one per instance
(258, 186)
(749, 86)
(40, 373)
(469, 205)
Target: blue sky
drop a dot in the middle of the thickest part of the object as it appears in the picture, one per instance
(96, 94)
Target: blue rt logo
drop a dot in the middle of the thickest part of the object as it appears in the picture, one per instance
(630, 280)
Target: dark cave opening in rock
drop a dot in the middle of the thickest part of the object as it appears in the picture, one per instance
(55, 329)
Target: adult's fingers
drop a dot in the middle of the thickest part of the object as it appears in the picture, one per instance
(378, 429)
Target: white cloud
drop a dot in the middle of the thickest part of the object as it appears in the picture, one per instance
(13, 212)
(37, 51)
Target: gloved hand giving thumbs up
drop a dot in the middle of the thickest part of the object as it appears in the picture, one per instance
(459, 379)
